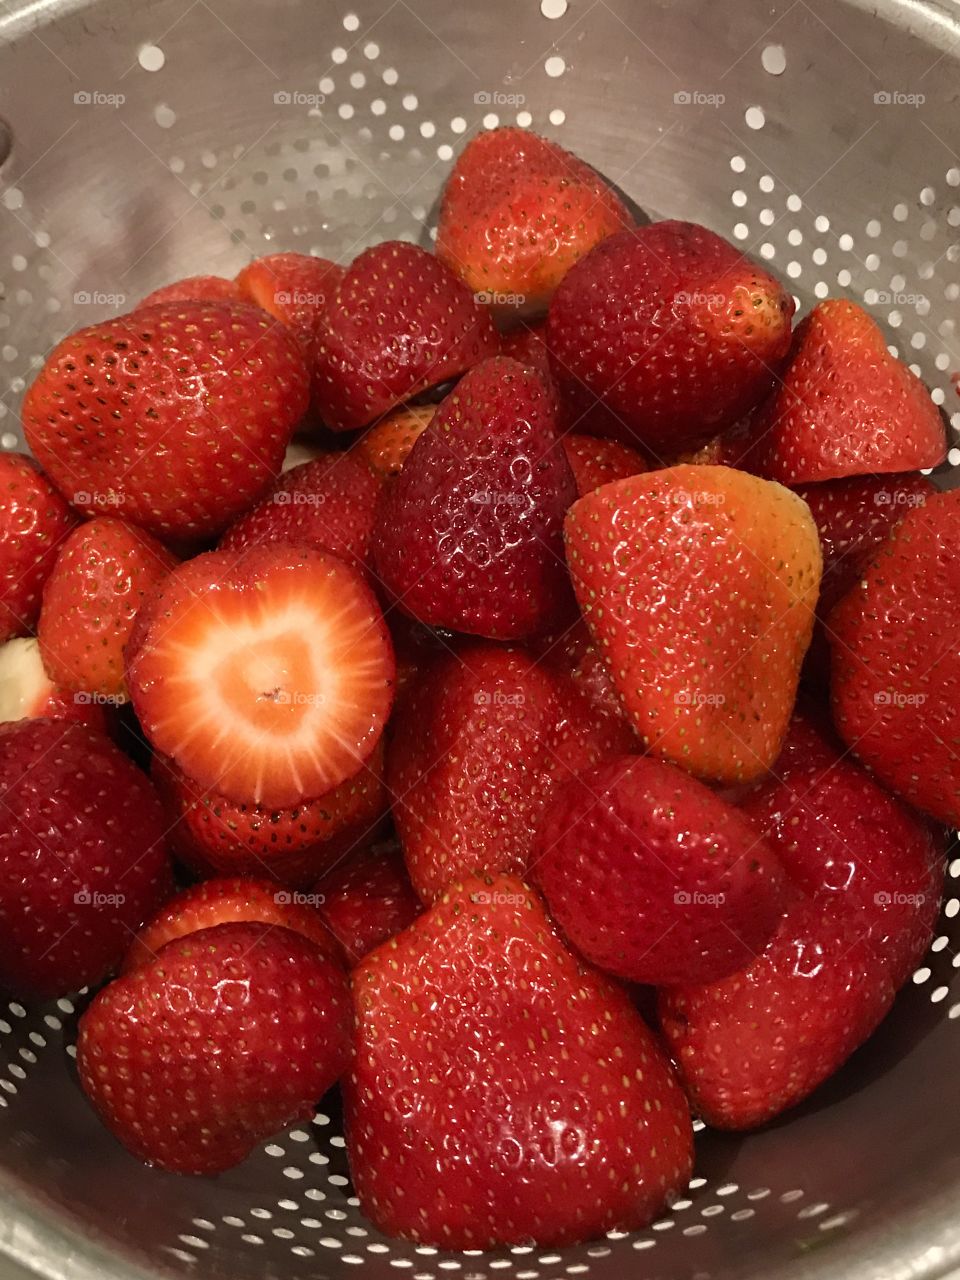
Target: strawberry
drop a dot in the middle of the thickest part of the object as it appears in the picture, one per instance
(228, 1036)
(398, 323)
(595, 462)
(103, 571)
(517, 212)
(845, 405)
(233, 900)
(28, 693)
(386, 446)
(368, 900)
(268, 678)
(574, 654)
(82, 856)
(34, 520)
(195, 289)
(699, 586)
(478, 747)
(666, 334)
(177, 414)
(502, 1092)
(293, 287)
(528, 344)
(895, 664)
(215, 836)
(653, 877)
(868, 874)
(329, 503)
(469, 535)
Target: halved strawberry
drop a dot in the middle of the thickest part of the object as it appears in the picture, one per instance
(518, 211)
(386, 446)
(399, 323)
(28, 693)
(292, 287)
(195, 289)
(268, 677)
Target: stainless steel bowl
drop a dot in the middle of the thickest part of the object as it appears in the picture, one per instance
(141, 143)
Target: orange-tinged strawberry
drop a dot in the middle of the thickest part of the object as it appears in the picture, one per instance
(292, 287)
(386, 446)
(699, 586)
(195, 289)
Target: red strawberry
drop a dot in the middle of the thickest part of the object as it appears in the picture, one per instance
(655, 878)
(478, 747)
(103, 571)
(82, 856)
(28, 693)
(666, 334)
(386, 447)
(845, 405)
(268, 678)
(195, 289)
(292, 287)
(895, 662)
(503, 1093)
(574, 654)
(178, 413)
(216, 836)
(229, 1035)
(597, 462)
(368, 900)
(869, 874)
(236, 900)
(34, 520)
(528, 344)
(699, 585)
(399, 323)
(517, 213)
(469, 535)
(329, 503)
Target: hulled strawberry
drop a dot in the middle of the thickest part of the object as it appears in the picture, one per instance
(699, 586)
(517, 212)
(666, 334)
(895, 664)
(34, 520)
(398, 323)
(502, 1092)
(103, 572)
(292, 287)
(83, 859)
(177, 414)
(845, 405)
(368, 899)
(28, 693)
(229, 1035)
(469, 535)
(655, 878)
(267, 677)
(386, 446)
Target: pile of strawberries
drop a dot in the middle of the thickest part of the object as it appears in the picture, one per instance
(483, 720)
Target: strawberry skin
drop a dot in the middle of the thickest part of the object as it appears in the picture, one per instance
(82, 857)
(195, 289)
(386, 446)
(398, 323)
(666, 334)
(479, 1112)
(699, 586)
(34, 520)
(292, 287)
(574, 656)
(895, 682)
(517, 212)
(28, 693)
(229, 1035)
(469, 535)
(103, 572)
(329, 503)
(231, 900)
(368, 900)
(179, 413)
(845, 406)
(215, 836)
(267, 677)
(653, 877)
(477, 748)
(595, 462)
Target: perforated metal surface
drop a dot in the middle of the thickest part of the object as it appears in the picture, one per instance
(184, 136)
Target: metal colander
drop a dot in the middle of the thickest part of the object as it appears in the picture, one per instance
(142, 143)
